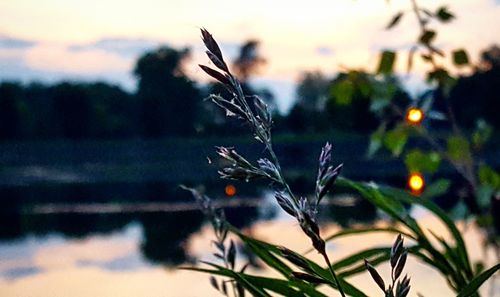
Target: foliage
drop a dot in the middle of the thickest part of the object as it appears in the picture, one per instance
(300, 276)
(441, 138)
(165, 92)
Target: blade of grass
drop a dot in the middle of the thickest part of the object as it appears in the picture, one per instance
(472, 287)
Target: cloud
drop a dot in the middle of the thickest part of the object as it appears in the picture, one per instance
(324, 51)
(126, 47)
(50, 63)
(15, 43)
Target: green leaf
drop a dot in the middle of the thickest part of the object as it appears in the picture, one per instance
(262, 247)
(442, 215)
(343, 92)
(238, 277)
(386, 64)
(425, 162)
(395, 20)
(359, 257)
(264, 254)
(489, 177)
(357, 231)
(477, 281)
(395, 140)
(376, 141)
(482, 133)
(458, 149)
(444, 15)
(427, 37)
(460, 57)
(483, 194)
(435, 189)
(385, 199)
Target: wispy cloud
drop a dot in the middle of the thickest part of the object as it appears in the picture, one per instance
(127, 47)
(7, 42)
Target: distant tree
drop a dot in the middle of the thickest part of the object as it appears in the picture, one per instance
(349, 102)
(73, 110)
(249, 61)
(312, 90)
(478, 96)
(42, 123)
(168, 98)
(11, 105)
(308, 113)
(114, 111)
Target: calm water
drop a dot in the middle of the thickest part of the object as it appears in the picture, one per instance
(116, 250)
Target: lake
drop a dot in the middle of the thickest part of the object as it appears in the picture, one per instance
(109, 219)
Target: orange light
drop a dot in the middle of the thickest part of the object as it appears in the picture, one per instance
(230, 190)
(416, 183)
(414, 116)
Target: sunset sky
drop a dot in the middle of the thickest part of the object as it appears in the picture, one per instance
(52, 40)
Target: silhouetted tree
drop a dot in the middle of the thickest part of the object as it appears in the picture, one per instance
(249, 60)
(72, 110)
(308, 113)
(114, 111)
(478, 95)
(168, 98)
(312, 91)
(11, 105)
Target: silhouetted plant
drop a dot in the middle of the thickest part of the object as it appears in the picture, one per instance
(401, 288)
(453, 262)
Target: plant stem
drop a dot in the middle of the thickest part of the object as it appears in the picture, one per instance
(323, 253)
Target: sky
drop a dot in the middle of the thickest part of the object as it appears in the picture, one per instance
(52, 40)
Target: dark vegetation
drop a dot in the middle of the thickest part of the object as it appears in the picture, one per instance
(168, 103)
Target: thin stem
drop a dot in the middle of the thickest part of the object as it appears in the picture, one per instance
(323, 253)
(416, 9)
(465, 171)
(283, 182)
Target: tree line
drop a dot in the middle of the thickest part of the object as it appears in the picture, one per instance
(169, 103)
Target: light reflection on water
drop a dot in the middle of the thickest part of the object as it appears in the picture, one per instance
(114, 265)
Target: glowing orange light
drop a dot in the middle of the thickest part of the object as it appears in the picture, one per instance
(414, 116)
(416, 183)
(230, 190)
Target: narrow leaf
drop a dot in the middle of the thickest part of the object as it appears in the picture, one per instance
(214, 283)
(427, 37)
(400, 265)
(375, 275)
(386, 64)
(395, 20)
(216, 74)
(476, 282)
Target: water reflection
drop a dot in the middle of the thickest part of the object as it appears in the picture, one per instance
(114, 264)
(122, 245)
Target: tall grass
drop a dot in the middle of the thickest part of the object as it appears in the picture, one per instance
(299, 275)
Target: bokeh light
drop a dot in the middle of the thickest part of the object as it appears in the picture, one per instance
(414, 116)
(416, 182)
(230, 190)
